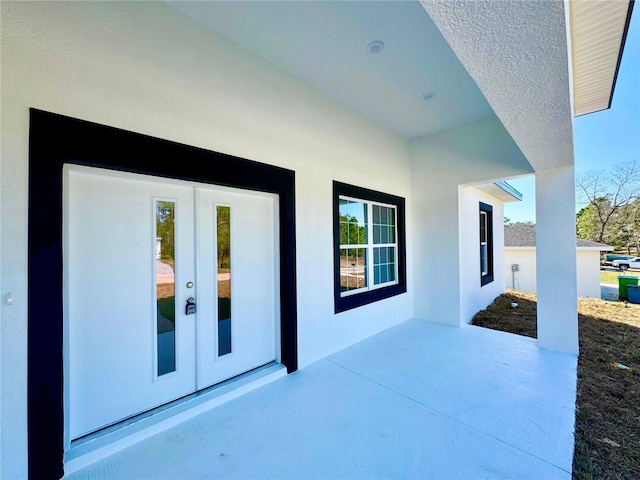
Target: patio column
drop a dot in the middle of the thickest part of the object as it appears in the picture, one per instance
(556, 259)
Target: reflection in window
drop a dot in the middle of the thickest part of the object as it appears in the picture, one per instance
(372, 228)
(353, 231)
(353, 269)
(165, 287)
(369, 246)
(223, 235)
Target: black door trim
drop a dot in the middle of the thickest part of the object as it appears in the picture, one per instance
(55, 140)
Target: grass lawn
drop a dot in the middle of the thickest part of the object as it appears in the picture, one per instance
(612, 277)
(607, 431)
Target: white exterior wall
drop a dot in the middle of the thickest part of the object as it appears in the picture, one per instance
(144, 67)
(479, 151)
(588, 268)
(587, 265)
(525, 277)
(473, 296)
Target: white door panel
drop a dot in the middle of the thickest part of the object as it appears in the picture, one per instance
(112, 268)
(252, 278)
(112, 316)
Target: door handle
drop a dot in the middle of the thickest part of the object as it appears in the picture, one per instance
(190, 308)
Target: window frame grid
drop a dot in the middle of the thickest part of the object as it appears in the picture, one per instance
(369, 246)
(355, 298)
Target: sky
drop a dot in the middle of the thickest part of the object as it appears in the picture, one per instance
(602, 139)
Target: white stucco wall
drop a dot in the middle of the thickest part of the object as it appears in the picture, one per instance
(587, 264)
(147, 68)
(525, 277)
(588, 268)
(474, 152)
(474, 296)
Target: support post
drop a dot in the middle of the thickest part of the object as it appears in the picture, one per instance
(556, 260)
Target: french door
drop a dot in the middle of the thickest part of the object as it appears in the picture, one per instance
(170, 287)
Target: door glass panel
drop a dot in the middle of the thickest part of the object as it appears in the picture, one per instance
(223, 235)
(165, 287)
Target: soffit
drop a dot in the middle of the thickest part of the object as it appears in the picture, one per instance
(598, 32)
(325, 44)
(501, 190)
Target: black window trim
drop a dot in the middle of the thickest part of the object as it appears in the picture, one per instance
(488, 277)
(342, 304)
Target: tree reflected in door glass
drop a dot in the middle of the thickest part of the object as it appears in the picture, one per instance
(165, 287)
(223, 235)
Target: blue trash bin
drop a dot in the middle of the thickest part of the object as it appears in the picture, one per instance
(633, 292)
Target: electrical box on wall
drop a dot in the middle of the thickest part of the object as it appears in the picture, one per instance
(514, 267)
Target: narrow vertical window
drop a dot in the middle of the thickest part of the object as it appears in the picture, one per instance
(223, 236)
(486, 243)
(165, 287)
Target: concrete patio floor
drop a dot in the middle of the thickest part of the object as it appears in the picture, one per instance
(419, 400)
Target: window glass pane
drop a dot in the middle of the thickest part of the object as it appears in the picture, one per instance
(384, 234)
(353, 269)
(223, 235)
(483, 259)
(353, 222)
(384, 265)
(165, 287)
(384, 225)
(483, 227)
(391, 268)
(376, 214)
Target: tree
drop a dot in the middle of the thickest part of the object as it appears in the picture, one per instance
(588, 224)
(606, 192)
(525, 223)
(627, 226)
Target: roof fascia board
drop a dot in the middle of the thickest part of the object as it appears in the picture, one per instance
(622, 44)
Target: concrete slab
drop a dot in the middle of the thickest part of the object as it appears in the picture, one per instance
(609, 292)
(417, 401)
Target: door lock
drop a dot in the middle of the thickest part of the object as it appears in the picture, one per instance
(190, 308)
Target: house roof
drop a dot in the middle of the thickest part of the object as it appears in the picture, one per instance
(516, 236)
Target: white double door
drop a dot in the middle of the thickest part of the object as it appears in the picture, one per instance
(136, 249)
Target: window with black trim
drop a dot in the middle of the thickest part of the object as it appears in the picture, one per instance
(369, 246)
(486, 243)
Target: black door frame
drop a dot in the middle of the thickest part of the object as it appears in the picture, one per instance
(56, 140)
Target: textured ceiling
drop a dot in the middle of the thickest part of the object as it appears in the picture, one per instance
(325, 44)
(517, 54)
(479, 57)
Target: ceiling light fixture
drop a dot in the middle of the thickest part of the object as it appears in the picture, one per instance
(427, 96)
(375, 47)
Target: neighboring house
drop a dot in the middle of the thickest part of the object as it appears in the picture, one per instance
(307, 164)
(520, 251)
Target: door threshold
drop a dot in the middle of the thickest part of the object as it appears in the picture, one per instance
(107, 441)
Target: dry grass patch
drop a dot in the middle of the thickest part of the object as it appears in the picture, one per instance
(607, 438)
